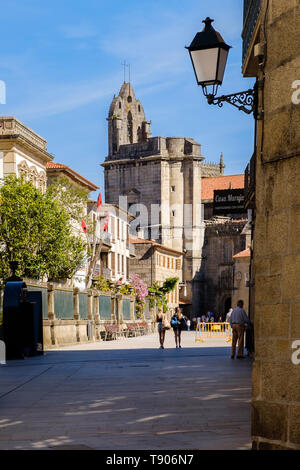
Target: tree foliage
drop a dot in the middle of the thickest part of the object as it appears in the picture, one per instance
(36, 230)
(160, 292)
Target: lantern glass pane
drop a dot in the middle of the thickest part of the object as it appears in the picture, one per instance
(222, 64)
(205, 64)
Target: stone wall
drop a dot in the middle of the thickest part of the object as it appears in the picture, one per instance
(241, 282)
(276, 379)
(222, 240)
(153, 264)
(69, 320)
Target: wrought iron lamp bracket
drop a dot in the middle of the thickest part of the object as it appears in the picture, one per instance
(245, 101)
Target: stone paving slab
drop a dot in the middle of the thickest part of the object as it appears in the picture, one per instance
(128, 394)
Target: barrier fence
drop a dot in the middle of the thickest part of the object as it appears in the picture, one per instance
(213, 331)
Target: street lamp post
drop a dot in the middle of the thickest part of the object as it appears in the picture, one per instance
(209, 53)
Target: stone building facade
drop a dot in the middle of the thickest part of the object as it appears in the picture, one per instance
(23, 152)
(223, 239)
(160, 181)
(241, 278)
(154, 262)
(272, 55)
(116, 248)
(210, 184)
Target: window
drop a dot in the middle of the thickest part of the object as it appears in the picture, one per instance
(113, 263)
(139, 108)
(178, 264)
(130, 127)
(118, 229)
(173, 213)
(113, 231)
(172, 189)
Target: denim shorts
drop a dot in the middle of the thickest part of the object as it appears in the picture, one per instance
(160, 327)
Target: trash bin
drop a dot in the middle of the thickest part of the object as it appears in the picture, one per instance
(22, 321)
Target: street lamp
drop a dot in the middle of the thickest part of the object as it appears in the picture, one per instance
(209, 53)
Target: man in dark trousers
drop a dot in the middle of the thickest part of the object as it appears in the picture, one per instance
(238, 320)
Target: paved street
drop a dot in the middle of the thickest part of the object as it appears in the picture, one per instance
(127, 394)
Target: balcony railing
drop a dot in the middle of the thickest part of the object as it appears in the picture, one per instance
(251, 12)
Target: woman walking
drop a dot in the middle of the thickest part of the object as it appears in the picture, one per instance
(160, 318)
(177, 323)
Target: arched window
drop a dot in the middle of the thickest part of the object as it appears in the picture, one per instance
(129, 99)
(130, 127)
(139, 134)
(23, 170)
(42, 182)
(33, 176)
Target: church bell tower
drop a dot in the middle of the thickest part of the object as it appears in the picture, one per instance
(126, 121)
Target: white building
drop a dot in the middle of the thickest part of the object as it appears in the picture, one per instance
(116, 248)
(23, 152)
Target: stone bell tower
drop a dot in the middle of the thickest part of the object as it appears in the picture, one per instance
(126, 121)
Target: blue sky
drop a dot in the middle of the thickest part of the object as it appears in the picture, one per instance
(62, 63)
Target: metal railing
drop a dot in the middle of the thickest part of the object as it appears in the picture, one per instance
(213, 331)
(251, 12)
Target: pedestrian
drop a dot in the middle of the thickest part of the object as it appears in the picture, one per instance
(220, 319)
(188, 324)
(160, 318)
(178, 324)
(238, 320)
(203, 319)
(228, 315)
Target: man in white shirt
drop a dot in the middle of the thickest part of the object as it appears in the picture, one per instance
(238, 320)
(228, 315)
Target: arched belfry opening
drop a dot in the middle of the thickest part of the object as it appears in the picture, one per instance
(130, 127)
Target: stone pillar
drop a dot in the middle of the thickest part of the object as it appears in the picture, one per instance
(51, 313)
(91, 312)
(119, 300)
(113, 309)
(96, 315)
(153, 316)
(90, 305)
(132, 299)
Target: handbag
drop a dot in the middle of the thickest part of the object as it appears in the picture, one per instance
(166, 324)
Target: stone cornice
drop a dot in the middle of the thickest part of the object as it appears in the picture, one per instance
(20, 141)
(125, 161)
(10, 126)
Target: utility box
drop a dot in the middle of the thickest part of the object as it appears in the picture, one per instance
(22, 321)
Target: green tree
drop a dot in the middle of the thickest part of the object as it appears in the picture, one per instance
(160, 292)
(74, 199)
(36, 230)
